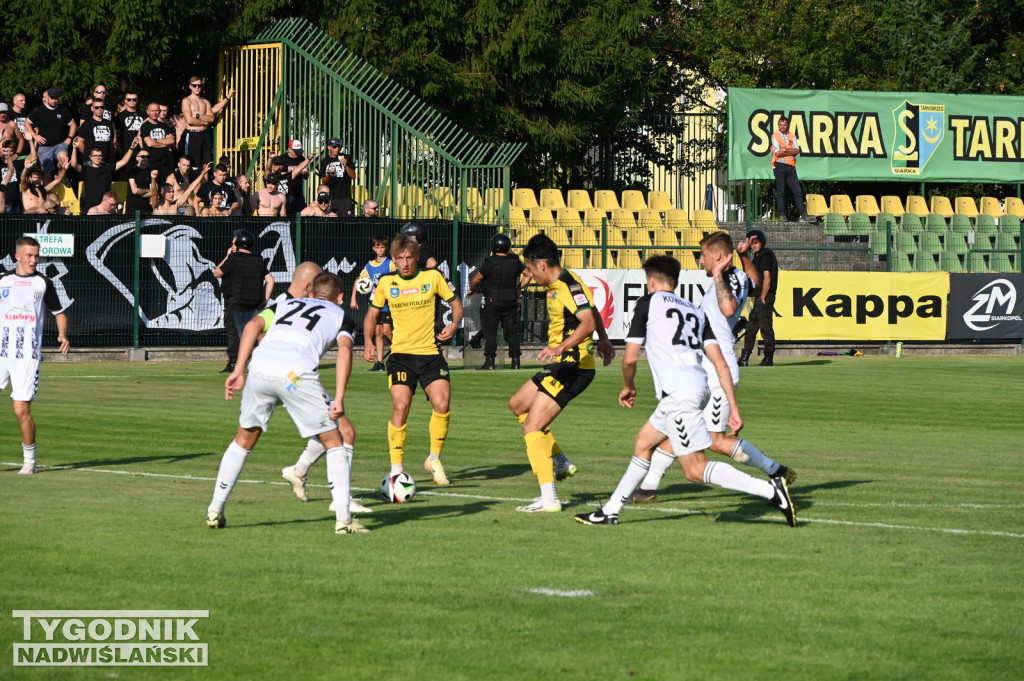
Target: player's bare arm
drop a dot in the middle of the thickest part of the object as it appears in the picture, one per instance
(743, 248)
(584, 331)
(236, 380)
(714, 353)
(629, 358)
(62, 332)
(449, 331)
(342, 372)
(369, 328)
(727, 302)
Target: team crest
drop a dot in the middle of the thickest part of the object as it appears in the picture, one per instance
(394, 291)
(425, 288)
(5, 291)
(919, 129)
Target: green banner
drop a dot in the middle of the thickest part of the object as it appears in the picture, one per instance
(876, 136)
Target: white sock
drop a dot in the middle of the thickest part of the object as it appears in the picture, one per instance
(635, 472)
(661, 461)
(748, 454)
(548, 493)
(310, 455)
(724, 475)
(396, 468)
(339, 470)
(28, 453)
(230, 468)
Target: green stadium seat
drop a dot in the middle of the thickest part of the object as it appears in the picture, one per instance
(886, 218)
(929, 242)
(924, 262)
(1010, 224)
(934, 222)
(985, 230)
(835, 225)
(961, 223)
(900, 262)
(950, 262)
(955, 242)
(1001, 262)
(910, 223)
(859, 224)
(904, 242)
(975, 262)
(1005, 240)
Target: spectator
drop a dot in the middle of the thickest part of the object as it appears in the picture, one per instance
(33, 191)
(174, 200)
(9, 129)
(97, 174)
(216, 196)
(200, 117)
(338, 172)
(10, 175)
(225, 161)
(99, 95)
(182, 176)
(242, 196)
(107, 206)
(321, 207)
(269, 201)
(97, 132)
(762, 317)
(296, 168)
(499, 280)
(20, 116)
(784, 152)
(141, 185)
(247, 285)
(129, 119)
(158, 138)
(371, 209)
(52, 126)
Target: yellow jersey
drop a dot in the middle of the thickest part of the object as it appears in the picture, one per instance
(411, 302)
(567, 296)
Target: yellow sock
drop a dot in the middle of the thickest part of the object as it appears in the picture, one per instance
(539, 452)
(522, 417)
(396, 442)
(552, 444)
(438, 431)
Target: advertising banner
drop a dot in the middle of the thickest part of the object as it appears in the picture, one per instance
(861, 306)
(986, 306)
(877, 136)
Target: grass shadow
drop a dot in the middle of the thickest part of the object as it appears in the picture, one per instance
(500, 472)
(96, 463)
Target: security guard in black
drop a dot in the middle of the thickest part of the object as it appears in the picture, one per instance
(498, 280)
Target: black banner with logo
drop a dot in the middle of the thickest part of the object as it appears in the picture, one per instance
(985, 306)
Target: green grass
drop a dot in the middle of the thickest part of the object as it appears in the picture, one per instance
(906, 564)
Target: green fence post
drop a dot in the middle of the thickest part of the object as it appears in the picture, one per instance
(888, 245)
(604, 243)
(137, 276)
(298, 237)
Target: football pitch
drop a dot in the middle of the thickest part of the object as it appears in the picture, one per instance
(907, 561)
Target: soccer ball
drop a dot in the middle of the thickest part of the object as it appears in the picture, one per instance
(364, 285)
(398, 488)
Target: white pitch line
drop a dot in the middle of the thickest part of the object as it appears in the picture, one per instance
(563, 594)
(645, 507)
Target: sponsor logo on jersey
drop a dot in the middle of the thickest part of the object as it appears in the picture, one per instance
(20, 314)
(23, 283)
(410, 291)
(295, 380)
(552, 294)
(581, 299)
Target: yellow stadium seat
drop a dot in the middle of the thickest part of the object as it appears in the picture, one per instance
(494, 197)
(633, 200)
(569, 218)
(965, 205)
(557, 234)
(592, 217)
(650, 218)
(815, 205)
(893, 205)
(516, 216)
(444, 199)
(666, 236)
(690, 236)
(541, 219)
(867, 204)
(580, 199)
(627, 259)
(658, 200)
(571, 258)
(704, 220)
(676, 218)
(552, 199)
(1014, 206)
(521, 233)
(941, 206)
(623, 218)
(606, 199)
(121, 189)
(840, 203)
(641, 236)
(990, 206)
(524, 198)
(917, 205)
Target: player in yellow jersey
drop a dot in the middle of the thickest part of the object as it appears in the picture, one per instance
(572, 322)
(410, 293)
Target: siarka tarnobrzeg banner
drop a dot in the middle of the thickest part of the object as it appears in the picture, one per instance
(986, 306)
(880, 136)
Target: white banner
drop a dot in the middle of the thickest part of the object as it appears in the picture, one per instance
(616, 292)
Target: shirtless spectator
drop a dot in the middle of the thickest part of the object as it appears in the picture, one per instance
(183, 175)
(269, 201)
(174, 200)
(52, 126)
(371, 209)
(97, 132)
(242, 195)
(9, 129)
(107, 206)
(320, 208)
(158, 138)
(99, 95)
(225, 201)
(96, 173)
(34, 192)
(200, 117)
(129, 119)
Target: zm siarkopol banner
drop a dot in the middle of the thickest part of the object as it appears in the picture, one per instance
(877, 136)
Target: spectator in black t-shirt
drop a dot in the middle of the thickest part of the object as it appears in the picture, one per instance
(9, 185)
(52, 126)
(99, 96)
(338, 172)
(295, 165)
(142, 185)
(129, 119)
(762, 317)
(97, 174)
(216, 196)
(158, 138)
(97, 132)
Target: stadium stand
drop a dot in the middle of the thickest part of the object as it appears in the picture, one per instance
(606, 199)
(865, 203)
(990, 206)
(942, 206)
(1014, 206)
(893, 205)
(633, 200)
(704, 220)
(580, 199)
(815, 205)
(659, 201)
(541, 219)
(835, 225)
(965, 205)
(650, 218)
(552, 199)
(918, 206)
(840, 203)
(524, 198)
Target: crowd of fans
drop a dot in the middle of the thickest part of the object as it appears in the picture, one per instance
(165, 160)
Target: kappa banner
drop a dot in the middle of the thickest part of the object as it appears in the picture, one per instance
(986, 306)
(616, 292)
(877, 135)
(861, 306)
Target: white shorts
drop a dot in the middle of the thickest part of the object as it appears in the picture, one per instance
(23, 375)
(680, 417)
(717, 411)
(301, 394)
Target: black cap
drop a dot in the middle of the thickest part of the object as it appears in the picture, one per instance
(323, 197)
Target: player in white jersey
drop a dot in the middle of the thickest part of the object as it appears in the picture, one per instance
(300, 287)
(722, 304)
(675, 334)
(284, 371)
(23, 293)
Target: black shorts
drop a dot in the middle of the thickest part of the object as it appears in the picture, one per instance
(384, 318)
(405, 369)
(562, 381)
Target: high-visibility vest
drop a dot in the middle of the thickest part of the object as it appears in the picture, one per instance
(783, 141)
